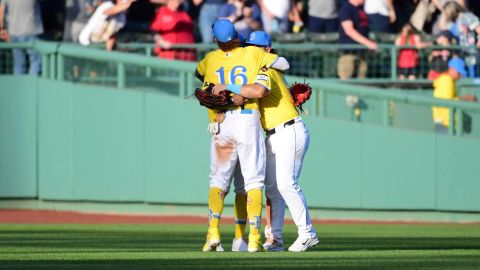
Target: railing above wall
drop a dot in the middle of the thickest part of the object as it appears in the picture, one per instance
(319, 60)
(70, 62)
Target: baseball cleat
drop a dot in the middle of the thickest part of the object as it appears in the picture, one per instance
(302, 244)
(239, 245)
(272, 245)
(213, 241)
(254, 244)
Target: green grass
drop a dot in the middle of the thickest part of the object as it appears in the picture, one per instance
(178, 247)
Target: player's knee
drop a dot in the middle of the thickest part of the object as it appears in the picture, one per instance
(287, 186)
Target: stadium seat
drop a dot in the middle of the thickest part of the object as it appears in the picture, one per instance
(323, 37)
(383, 37)
(289, 37)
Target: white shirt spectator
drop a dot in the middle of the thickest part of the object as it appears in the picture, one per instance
(279, 8)
(376, 7)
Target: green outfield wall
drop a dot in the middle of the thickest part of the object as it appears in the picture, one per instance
(74, 142)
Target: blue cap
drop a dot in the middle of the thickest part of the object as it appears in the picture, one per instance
(459, 65)
(223, 30)
(241, 38)
(260, 38)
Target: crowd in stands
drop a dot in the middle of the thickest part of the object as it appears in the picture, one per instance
(170, 22)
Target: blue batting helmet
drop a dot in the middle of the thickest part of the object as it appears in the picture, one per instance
(260, 38)
(459, 65)
(223, 30)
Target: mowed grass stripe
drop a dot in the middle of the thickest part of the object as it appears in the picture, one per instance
(342, 246)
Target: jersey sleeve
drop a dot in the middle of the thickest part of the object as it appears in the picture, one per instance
(266, 59)
(263, 78)
(201, 66)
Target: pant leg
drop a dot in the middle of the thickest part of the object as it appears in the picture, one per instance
(362, 67)
(331, 25)
(289, 147)
(34, 58)
(277, 204)
(251, 150)
(18, 57)
(379, 23)
(315, 25)
(346, 66)
(223, 156)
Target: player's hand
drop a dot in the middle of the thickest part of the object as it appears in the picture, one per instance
(219, 88)
(239, 100)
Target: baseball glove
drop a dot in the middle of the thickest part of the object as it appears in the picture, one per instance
(301, 92)
(211, 101)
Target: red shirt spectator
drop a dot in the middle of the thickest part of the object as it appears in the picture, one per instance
(173, 26)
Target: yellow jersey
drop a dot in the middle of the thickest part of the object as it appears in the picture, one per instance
(444, 87)
(240, 66)
(278, 107)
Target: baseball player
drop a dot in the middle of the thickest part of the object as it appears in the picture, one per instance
(238, 136)
(286, 145)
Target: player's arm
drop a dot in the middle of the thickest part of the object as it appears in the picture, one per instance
(201, 68)
(259, 89)
(268, 59)
(198, 75)
(281, 64)
(254, 90)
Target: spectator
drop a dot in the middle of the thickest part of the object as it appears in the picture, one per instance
(444, 88)
(438, 59)
(295, 21)
(322, 16)
(404, 11)
(442, 22)
(353, 30)
(209, 11)
(245, 15)
(423, 13)
(466, 27)
(275, 15)
(77, 13)
(173, 25)
(105, 22)
(408, 59)
(24, 24)
(381, 13)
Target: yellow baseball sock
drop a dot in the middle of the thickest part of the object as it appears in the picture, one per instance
(240, 212)
(215, 206)
(254, 210)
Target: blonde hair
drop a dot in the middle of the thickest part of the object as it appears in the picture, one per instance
(452, 9)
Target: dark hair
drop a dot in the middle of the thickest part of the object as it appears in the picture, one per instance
(229, 45)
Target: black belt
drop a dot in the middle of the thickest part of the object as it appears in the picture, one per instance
(286, 124)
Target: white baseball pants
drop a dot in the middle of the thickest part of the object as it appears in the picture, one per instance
(240, 140)
(286, 149)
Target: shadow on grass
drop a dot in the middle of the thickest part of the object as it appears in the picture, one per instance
(192, 241)
(176, 248)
